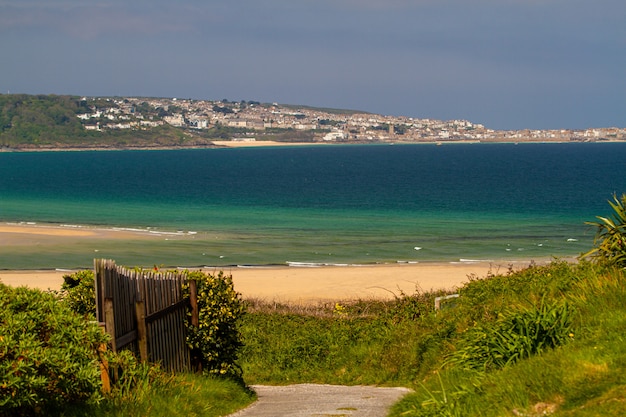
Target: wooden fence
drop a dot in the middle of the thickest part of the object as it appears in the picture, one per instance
(145, 311)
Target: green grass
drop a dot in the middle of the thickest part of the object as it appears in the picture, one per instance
(562, 325)
(584, 377)
(353, 343)
(547, 340)
(184, 395)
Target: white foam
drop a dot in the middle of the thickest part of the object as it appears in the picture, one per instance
(305, 264)
(315, 264)
(256, 266)
(72, 226)
(466, 261)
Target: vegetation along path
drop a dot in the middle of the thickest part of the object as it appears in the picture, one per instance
(304, 400)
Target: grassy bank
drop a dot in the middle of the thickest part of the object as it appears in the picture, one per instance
(187, 395)
(545, 340)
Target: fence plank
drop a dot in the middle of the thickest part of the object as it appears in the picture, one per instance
(142, 339)
(105, 375)
(193, 300)
(109, 321)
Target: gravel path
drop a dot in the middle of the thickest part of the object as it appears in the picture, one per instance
(306, 400)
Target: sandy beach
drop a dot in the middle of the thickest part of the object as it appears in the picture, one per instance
(310, 285)
(282, 283)
(313, 285)
(257, 143)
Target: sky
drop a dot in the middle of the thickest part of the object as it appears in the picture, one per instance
(507, 64)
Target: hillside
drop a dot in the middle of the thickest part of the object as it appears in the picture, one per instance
(31, 122)
(50, 121)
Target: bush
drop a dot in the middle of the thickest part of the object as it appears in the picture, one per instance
(48, 353)
(217, 338)
(517, 334)
(487, 298)
(610, 240)
(79, 292)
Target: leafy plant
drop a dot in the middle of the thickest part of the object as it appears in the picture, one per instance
(443, 402)
(79, 292)
(610, 239)
(48, 353)
(217, 337)
(134, 378)
(517, 334)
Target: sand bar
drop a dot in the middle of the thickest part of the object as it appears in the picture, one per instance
(281, 284)
(313, 285)
(258, 143)
(34, 229)
(25, 233)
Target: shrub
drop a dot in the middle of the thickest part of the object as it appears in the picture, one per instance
(610, 240)
(79, 292)
(485, 299)
(515, 335)
(217, 338)
(48, 353)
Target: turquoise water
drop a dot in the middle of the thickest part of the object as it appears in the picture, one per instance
(320, 204)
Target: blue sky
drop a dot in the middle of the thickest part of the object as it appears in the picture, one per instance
(508, 64)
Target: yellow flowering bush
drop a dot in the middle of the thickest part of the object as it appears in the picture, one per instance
(217, 339)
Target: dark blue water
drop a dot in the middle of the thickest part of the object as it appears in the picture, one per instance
(326, 204)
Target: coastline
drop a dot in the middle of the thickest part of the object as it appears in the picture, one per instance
(221, 144)
(293, 284)
(298, 285)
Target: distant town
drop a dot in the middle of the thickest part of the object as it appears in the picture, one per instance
(252, 121)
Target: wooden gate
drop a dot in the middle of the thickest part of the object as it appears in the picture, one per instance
(144, 311)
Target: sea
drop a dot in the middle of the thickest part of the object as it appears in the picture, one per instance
(308, 206)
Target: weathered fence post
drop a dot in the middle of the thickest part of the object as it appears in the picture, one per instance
(98, 266)
(193, 300)
(196, 362)
(105, 376)
(109, 321)
(142, 337)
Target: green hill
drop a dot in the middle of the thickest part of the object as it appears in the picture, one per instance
(63, 122)
(50, 121)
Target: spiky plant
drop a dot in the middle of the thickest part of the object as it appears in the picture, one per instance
(610, 239)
